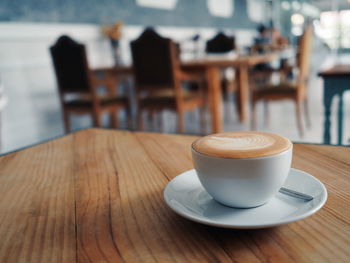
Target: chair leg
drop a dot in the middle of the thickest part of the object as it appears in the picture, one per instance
(253, 123)
(180, 122)
(140, 123)
(96, 117)
(66, 121)
(114, 119)
(202, 113)
(129, 119)
(307, 113)
(159, 118)
(299, 118)
(266, 114)
(224, 87)
(152, 119)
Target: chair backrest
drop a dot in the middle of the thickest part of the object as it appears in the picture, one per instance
(71, 67)
(304, 53)
(154, 60)
(220, 44)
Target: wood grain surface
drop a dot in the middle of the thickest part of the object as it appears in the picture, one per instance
(97, 196)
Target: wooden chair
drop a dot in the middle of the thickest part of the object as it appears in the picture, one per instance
(159, 78)
(78, 87)
(296, 90)
(221, 44)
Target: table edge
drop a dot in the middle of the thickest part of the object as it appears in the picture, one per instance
(133, 131)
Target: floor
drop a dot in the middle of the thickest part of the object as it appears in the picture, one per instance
(45, 122)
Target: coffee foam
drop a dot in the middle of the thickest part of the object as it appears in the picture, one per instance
(247, 144)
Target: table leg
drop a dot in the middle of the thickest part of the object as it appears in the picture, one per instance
(242, 92)
(327, 102)
(340, 119)
(215, 98)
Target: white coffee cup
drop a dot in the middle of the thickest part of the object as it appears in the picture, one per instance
(242, 182)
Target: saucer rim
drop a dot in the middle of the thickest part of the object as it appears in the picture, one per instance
(203, 220)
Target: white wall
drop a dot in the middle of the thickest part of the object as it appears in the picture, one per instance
(29, 81)
(33, 111)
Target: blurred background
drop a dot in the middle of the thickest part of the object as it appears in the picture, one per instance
(35, 81)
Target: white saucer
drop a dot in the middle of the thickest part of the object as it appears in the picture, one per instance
(186, 196)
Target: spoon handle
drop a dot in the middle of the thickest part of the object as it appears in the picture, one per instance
(295, 194)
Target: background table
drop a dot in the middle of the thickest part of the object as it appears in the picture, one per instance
(336, 82)
(97, 196)
(212, 71)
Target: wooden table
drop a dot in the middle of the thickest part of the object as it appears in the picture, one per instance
(211, 68)
(97, 196)
(336, 82)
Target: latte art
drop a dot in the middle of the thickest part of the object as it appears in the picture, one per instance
(243, 143)
(247, 144)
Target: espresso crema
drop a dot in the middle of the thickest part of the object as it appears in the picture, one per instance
(245, 144)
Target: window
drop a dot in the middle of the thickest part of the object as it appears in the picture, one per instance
(334, 28)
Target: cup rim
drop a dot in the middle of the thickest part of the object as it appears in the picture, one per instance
(252, 158)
